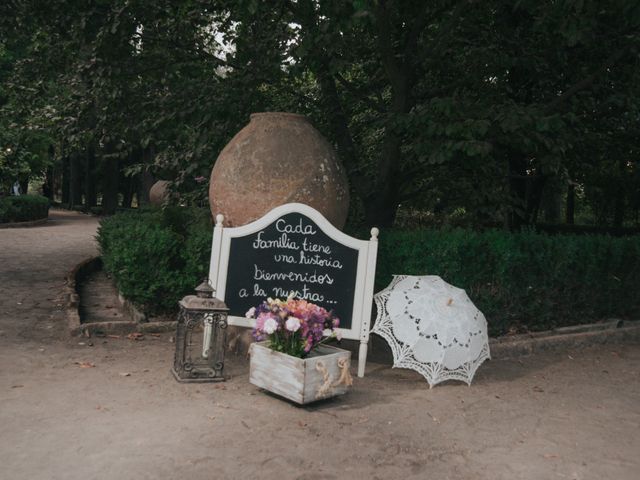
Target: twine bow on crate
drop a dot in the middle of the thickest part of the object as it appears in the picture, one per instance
(327, 386)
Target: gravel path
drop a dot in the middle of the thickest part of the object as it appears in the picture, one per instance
(108, 408)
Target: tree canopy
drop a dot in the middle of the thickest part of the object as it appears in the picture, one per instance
(497, 112)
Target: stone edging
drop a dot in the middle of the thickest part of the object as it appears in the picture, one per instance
(30, 223)
(138, 322)
(579, 336)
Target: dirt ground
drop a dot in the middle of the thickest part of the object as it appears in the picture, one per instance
(108, 408)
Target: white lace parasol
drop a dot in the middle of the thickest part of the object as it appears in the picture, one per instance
(432, 327)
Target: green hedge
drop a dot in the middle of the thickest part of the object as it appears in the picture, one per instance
(524, 281)
(156, 256)
(23, 208)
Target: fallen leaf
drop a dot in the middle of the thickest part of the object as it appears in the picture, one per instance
(432, 417)
(220, 387)
(114, 336)
(537, 389)
(245, 424)
(550, 455)
(136, 336)
(211, 417)
(85, 364)
(17, 386)
(302, 424)
(125, 374)
(154, 334)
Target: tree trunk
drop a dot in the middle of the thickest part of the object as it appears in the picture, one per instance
(65, 180)
(534, 198)
(47, 186)
(90, 195)
(619, 205)
(518, 190)
(571, 204)
(75, 190)
(380, 207)
(127, 187)
(48, 189)
(618, 209)
(146, 180)
(380, 210)
(552, 201)
(110, 176)
(144, 186)
(24, 185)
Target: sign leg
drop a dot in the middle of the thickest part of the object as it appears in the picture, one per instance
(362, 358)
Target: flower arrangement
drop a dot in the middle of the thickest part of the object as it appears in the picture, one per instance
(293, 326)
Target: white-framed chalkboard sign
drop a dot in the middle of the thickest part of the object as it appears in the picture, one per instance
(293, 248)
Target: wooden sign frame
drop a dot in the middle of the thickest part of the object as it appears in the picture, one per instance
(366, 267)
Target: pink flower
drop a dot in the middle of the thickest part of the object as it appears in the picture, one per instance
(251, 312)
(270, 326)
(292, 324)
(308, 344)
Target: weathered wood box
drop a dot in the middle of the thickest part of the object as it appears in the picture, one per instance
(324, 373)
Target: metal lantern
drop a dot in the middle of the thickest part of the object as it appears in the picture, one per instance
(201, 337)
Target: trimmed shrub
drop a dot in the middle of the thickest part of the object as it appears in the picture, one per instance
(525, 281)
(23, 208)
(156, 256)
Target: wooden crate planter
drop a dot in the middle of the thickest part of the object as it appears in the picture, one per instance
(323, 374)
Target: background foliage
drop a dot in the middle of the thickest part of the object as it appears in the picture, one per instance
(495, 112)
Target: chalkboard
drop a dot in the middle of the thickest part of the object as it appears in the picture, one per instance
(292, 254)
(294, 248)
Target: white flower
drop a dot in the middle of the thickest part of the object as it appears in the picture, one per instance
(270, 326)
(292, 324)
(251, 312)
(338, 334)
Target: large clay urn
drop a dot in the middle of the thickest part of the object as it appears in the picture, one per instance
(159, 193)
(278, 158)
